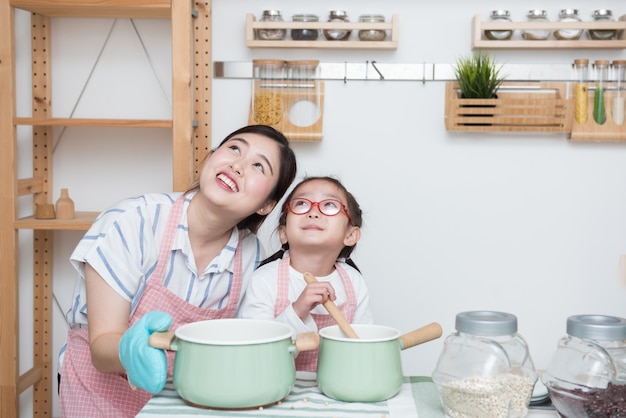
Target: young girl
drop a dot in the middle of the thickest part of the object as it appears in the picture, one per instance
(157, 261)
(319, 226)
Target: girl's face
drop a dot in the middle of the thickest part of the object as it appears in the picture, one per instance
(314, 229)
(240, 175)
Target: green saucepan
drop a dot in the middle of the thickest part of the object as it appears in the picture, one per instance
(233, 363)
(367, 369)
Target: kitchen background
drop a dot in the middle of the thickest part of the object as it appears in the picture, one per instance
(531, 224)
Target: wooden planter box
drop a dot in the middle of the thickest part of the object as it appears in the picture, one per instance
(523, 107)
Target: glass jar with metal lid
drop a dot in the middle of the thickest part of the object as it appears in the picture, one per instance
(499, 35)
(271, 34)
(586, 376)
(304, 34)
(485, 368)
(335, 34)
(536, 15)
(602, 15)
(568, 15)
(372, 34)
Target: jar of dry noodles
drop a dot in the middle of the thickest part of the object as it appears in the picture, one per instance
(268, 81)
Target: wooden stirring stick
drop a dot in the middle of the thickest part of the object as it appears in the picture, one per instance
(332, 309)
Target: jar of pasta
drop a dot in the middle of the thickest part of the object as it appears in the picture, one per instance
(268, 82)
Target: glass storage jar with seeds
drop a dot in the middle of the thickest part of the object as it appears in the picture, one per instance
(536, 15)
(268, 82)
(271, 34)
(485, 369)
(602, 15)
(498, 34)
(337, 34)
(372, 34)
(304, 34)
(586, 376)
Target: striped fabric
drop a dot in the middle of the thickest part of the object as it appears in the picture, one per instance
(418, 398)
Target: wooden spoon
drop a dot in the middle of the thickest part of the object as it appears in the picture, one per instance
(332, 309)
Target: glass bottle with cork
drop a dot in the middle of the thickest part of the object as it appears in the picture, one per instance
(599, 108)
(617, 109)
(581, 69)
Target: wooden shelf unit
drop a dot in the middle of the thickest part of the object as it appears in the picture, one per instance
(480, 42)
(390, 43)
(189, 146)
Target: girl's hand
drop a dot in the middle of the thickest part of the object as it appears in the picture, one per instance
(313, 295)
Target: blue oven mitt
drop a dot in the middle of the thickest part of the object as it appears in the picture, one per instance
(145, 366)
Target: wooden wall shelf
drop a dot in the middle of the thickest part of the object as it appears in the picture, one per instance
(591, 131)
(94, 122)
(353, 43)
(479, 41)
(97, 8)
(81, 222)
(520, 107)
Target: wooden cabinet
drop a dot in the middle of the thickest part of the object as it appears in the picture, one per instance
(189, 145)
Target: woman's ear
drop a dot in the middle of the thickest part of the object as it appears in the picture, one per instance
(353, 236)
(266, 208)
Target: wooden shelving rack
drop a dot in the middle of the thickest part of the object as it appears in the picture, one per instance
(189, 146)
(479, 41)
(353, 43)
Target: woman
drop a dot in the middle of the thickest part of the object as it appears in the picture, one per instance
(161, 260)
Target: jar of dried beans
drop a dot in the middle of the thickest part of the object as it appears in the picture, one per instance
(587, 374)
(485, 369)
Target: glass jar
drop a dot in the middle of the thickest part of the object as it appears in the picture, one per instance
(303, 76)
(568, 15)
(485, 369)
(499, 35)
(536, 15)
(271, 34)
(602, 15)
(268, 78)
(599, 106)
(581, 69)
(587, 374)
(617, 109)
(372, 34)
(334, 34)
(304, 34)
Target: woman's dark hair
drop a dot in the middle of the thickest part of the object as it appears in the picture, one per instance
(356, 215)
(287, 173)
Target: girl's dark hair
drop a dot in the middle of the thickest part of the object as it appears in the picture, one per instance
(286, 175)
(356, 215)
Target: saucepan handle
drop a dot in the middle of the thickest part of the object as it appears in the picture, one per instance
(162, 340)
(421, 335)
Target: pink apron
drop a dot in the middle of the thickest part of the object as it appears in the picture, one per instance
(86, 392)
(307, 360)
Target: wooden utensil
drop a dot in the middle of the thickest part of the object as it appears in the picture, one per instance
(332, 309)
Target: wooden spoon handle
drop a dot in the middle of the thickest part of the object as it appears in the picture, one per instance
(332, 309)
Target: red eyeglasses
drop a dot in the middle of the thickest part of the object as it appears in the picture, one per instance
(328, 207)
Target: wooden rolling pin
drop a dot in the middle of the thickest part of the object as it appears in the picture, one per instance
(332, 309)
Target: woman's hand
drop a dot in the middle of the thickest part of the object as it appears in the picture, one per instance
(313, 294)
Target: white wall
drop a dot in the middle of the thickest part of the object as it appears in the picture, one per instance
(529, 224)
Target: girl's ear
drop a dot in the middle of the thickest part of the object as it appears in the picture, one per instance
(353, 236)
(266, 208)
(282, 234)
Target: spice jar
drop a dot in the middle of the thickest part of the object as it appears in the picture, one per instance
(599, 107)
(334, 34)
(271, 34)
(372, 34)
(499, 35)
(581, 68)
(268, 83)
(586, 376)
(568, 15)
(485, 369)
(304, 34)
(617, 110)
(602, 15)
(536, 15)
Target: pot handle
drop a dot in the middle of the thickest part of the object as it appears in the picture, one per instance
(306, 341)
(421, 335)
(162, 340)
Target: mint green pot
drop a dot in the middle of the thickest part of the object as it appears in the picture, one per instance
(233, 363)
(367, 369)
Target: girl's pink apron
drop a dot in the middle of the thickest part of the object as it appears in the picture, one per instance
(86, 392)
(307, 360)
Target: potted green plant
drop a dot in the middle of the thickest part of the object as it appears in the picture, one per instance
(478, 76)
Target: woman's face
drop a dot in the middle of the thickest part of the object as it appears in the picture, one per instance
(240, 175)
